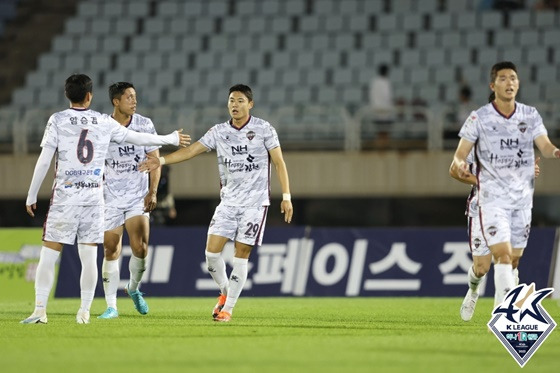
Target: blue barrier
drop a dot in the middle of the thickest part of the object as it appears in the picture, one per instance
(300, 261)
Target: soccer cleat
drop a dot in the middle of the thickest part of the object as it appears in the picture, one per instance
(223, 316)
(468, 305)
(110, 313)
(82, 317)
(36, 318)
(138, 299)
(218, 307)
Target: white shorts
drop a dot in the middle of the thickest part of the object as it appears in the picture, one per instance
(115, 217)
(505, 225)
(477, 242)
(66, 223)
(242, 224)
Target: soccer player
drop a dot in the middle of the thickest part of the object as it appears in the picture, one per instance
(502, 134)
(482, 258)
(80, 138)
(245, 145)
(129, 199)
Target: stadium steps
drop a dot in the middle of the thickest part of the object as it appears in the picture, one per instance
(26, 37)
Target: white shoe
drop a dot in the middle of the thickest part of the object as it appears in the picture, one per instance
(468, 306)
(82, 317)
(36, 318)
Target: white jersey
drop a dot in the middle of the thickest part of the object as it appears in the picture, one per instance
(243, 160)
(504, 154)
(125, 186)
(81, 138)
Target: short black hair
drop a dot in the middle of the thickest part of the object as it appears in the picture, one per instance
(116, 90)
(77, 86)
(501, 66)
(245, 89)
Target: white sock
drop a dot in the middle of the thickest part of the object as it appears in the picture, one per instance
(44, 277)
(515, 276)
(473, 280)
(503, 281)
(111, 277)
(217, 269)
(88, 278)
(137, 267)
(236, 281)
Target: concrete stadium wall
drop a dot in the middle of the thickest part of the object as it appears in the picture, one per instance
(312, 174)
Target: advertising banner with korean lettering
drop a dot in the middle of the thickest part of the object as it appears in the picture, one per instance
(307, 261)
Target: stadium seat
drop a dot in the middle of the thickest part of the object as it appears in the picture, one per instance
(475, 39)
(74, 62)
(88, 44)
(112, 44)
(450, 39)
(137, 9)
(100, 27)
(125, 26)
(294, 7)
(76, 26)
(50, 62)
(63, 43)
(435, 57)
(168, 8)
(358, 22)
(88, 9)
(545, 19)
(520, 19)
(397, 40)
(527, 37)
(487, 55)
(503, 38)
(467, 21)
(309, 24)
(388, 23)
(441, 21)
(490, 20)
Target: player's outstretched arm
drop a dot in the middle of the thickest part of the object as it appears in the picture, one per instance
(286, 207)
(176, 138)
(183, 154)
(41, 169)
(547, 149)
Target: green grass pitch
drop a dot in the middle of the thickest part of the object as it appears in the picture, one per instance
(265, 335)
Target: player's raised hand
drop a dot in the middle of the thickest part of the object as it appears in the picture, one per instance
(537, 168)
(287, 209)
(30, 209)
(151, 163)
(184, 138)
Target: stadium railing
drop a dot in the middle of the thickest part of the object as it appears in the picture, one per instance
(300, 127)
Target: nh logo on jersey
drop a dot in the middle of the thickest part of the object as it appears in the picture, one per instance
(509, 143)
(240, 149)
(521, 323)
(126, 150)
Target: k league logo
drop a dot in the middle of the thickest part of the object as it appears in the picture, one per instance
(521, 323)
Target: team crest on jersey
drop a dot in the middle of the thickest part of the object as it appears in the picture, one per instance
(250, 135)
(522, 127)
(492, 231)
(476, 242)
(520, 322)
